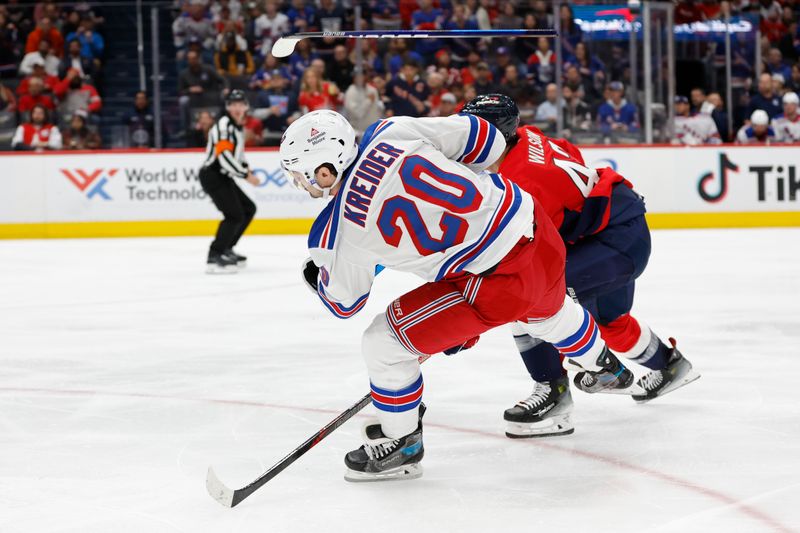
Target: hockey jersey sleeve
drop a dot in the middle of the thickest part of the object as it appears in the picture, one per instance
(464, 138)
(343, 286)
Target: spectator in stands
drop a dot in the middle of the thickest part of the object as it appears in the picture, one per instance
(483, 13)
(46, 8)
(588, 65)
(787, 125)
(193, 23)
(233, 60)
(758, 131)
(772, 27)
(37, 134)
(380, 84)
(331, 16)
(447, 105)
(775, 64)
(340, 69)
(253, 131)
(693, 129)
(8, 103)
(9, 42)
(688, 11)
(425, 18)
(444, 65)
(483, 82)
(44, 55)
(262, 79)
(141, 122)
(234, 7)
(547, 110)
(200, 85)
(502, 59)
(75, 94)
(386, 15)
(224, 20)
(399, 54)
(617, 114)
(35, 96)
(470, 71)
(719, 115)
(577, 113)
(570, 33)
(523, 48)
(362, 104)
(71, 23)
(766, 98)
(301, 59)
(302, 17)
(73, 59)
(276, 102)
(92, 43)
(269, 26)
(778, 84)
(794, 82)
(45, 30)
(542, 63)
(436, 89)
(574, 80)
(407, 93)
(198, 135)
(697, 98)
(508, 18)
(461, 20)
(50, 82)
(78, 136)
(315, 93)
(514, 85)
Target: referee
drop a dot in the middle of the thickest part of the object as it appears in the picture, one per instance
(225, 162)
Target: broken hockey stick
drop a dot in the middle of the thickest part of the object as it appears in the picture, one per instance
(231, 498)
(284, 46)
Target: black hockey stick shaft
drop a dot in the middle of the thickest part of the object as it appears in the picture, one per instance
(294, 455)
(229, 498)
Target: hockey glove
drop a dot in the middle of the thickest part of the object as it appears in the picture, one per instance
(466, 345)
(310, 275)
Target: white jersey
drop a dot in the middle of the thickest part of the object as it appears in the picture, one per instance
(413, 201)
(786, 130)
(697, 129)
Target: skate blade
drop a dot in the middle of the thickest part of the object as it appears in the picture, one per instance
(214, 269)
(682, 379)
(409, 471)
(552, 427)
(633, 390)
(241, 264)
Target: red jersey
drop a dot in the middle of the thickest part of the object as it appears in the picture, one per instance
(576, 198)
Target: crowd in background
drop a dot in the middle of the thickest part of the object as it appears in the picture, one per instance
(55, 51)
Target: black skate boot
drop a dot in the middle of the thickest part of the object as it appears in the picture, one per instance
(677, 373)
(383, 458)
(544, 413)
(220, 264)
(613, 376)
(241, 260)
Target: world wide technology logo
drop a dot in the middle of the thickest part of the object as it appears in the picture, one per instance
(90, 183)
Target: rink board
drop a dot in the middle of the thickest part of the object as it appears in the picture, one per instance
(157, 193)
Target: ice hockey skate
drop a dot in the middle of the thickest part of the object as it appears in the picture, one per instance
(218, 263)
(382, 458)
(613, 374)
(241, 260)
(679, 372)
(545, 413)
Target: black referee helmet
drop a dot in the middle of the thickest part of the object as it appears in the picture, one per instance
(236, 95)
(497, 109)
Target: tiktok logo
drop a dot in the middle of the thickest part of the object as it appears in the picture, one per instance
(707, 179)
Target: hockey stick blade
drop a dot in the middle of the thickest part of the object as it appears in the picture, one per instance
(284, 46)
(218, 490)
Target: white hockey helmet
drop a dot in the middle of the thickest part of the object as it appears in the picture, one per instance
(313, 140)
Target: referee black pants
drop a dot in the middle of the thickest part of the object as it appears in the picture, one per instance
(236, 207)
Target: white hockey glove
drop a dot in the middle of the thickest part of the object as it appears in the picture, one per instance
(310, 273)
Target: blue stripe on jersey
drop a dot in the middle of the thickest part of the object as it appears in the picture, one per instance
(512, 211)
(444, 270)
(488, 147)
(318, 227)
(474, 126)
(372, 132)
(339, 310)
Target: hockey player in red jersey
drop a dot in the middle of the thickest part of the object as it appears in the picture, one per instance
(601, 219)
(413, 196)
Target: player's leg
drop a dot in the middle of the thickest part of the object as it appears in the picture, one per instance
(249, 211)
(427, 320)
(223, 192)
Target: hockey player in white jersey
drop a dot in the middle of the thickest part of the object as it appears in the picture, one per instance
(695, 129)
(410, 197)
(787, 125)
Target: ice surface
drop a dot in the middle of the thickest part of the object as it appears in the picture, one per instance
(125, 372)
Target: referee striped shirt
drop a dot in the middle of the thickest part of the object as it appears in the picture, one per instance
(225, 148)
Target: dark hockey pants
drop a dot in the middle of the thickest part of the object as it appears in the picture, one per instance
(235, 205)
